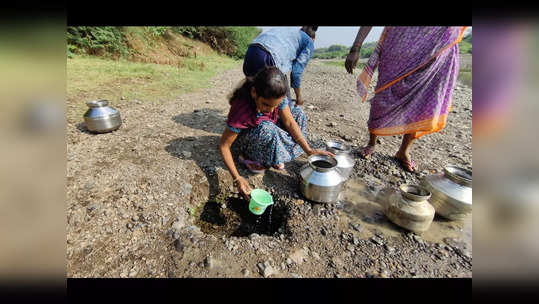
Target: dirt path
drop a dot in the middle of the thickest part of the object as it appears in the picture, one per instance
(154, 199)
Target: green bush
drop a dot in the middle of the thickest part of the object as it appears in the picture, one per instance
(242, 37)
(96, 40)
(157, 31)
(109, 40)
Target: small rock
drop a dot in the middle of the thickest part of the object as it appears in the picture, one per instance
(417, 238)
(178, 225)
(132, 273)
(295, 275)
(288, 261)
(209, 262)
(186, 154)
(165, 220)
(93, 207)
(376, 240)
(389, 249)
(89, 186)
(245, 272)
(356, 227)
(298, 256)
(178, 246)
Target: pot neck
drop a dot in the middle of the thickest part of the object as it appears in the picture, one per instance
(97, 103)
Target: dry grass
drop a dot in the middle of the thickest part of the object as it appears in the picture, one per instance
(161, 70)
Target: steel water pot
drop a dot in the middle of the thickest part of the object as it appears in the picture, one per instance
(410, 209)
(451, 192)
(345, 162)
(100, 118)
(319, 179)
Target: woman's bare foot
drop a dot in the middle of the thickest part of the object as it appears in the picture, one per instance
(253, 166)
(406, 162)
(365, 152)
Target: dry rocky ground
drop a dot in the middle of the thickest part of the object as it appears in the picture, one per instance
(154, 199)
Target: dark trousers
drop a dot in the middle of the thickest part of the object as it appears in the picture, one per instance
(256, 59)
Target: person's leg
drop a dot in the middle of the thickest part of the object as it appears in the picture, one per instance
(288, 90)
(404, 152)
(369, 148)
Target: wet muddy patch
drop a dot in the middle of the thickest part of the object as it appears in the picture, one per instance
(231, 217)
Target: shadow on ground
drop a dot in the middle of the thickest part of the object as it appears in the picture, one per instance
(204, 150)
(209, 120)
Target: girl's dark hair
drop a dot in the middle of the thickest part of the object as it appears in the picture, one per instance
(268, 83)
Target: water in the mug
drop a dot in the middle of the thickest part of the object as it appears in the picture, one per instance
(269, 221)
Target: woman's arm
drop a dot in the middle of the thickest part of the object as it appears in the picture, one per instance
(225, 143)
(353, 56)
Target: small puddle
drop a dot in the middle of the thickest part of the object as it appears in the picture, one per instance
(236, 219)
(365, 206)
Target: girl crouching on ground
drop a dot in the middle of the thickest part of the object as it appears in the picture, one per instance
(263, 127)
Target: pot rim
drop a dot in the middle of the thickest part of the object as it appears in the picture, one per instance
(458, 175)
(97, 103)
(327, 158)
(423, 195)
(337, 147)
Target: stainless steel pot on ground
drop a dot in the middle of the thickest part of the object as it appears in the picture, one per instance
(100, 118)
(410, 209)
(345, 162)
(451, 192)
(319, 179)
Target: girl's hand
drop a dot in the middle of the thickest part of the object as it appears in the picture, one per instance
(243, 186)
(320, 152)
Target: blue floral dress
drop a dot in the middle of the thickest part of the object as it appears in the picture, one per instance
(271, 144)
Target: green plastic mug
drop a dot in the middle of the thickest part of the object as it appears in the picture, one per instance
(260, 200)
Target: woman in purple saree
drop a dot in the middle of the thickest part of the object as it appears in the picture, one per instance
(417, 72)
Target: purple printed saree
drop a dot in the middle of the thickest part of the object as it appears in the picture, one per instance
(417, 71)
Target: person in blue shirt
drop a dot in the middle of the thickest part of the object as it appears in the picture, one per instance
(287, 49)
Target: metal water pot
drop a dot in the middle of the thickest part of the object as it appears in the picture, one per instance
(410, 209)
(451, 192)
(345, 162)
(320, 180)
(101, 118)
